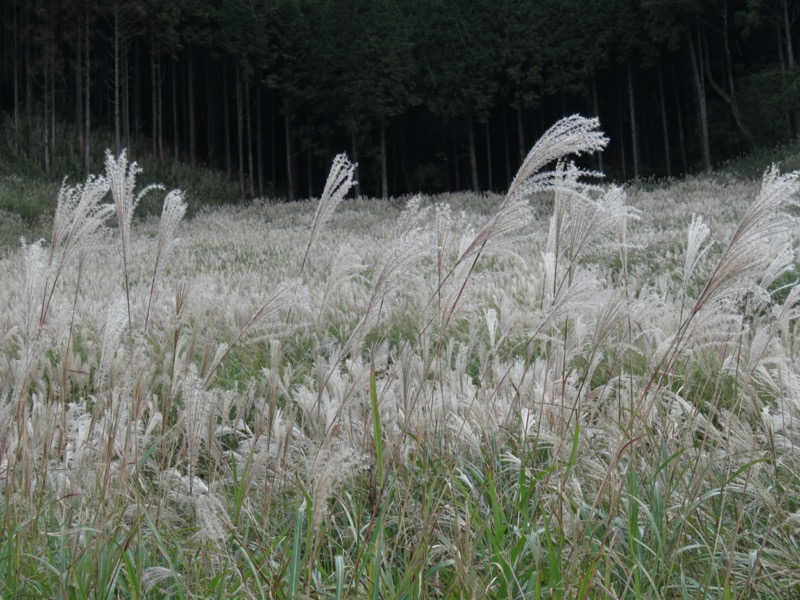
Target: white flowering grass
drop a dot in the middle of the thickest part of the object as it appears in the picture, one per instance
(449, 397)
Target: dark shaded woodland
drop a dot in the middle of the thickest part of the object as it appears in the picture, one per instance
(427, 95)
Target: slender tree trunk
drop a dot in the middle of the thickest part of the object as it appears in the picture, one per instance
(697, 77)
(634, 137)
(226, 110)
(353, 140)
(273, 140)
(289, 158)
(664, 126)
(506, 147)
(521, 136)
(155, 83)
(488, 155)
(190, 104)
(790, 62)
(259, 141)
(621, 111)
(384, 172)
(126, 102)
(78, 83)
(211, 132)
(473, 155)
(15, 36)
(87, 113)
(117, 137)
(728, 95)
(175, 124)
(46, 111)
(248, 110)
(240, 130)
(596, 108)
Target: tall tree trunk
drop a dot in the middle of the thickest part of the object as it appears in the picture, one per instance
(700, 93)
(78, 83)
(226, 116)
(488, 156)
(175, 125)
(240, 129)
(790, 62)
(155, 84)
(87, 113)
(506, 148)
(247, 108)
(190, 104)
(289, 158)
(353, 140)
(596, 108)
(211, 137)
(634, 137)
(259, 141)
(15, 36)
(384, 172)
(664, 126)
(728, 95)
(126, 102)
(117, 137)
(473, 155)
(521, 136)
(46, 110)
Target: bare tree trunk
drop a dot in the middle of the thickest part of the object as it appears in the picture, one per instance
(384, 173)
(87, 113)
(488, 155)
(117, 137)
(596, 108)
(78, 83)
(240, 130)
(126, 102)
(355, 161)
(226, 111)
(259, 141)
(175, 130)
(46, 109)
(251, 173)
(507, 149)
(155, 84)
(728, 95)
(190, 103)
(289, 158)
(700, 92)
(521, 136)
(473, 155)
(664, 126)
(634, 137)
(15, 35)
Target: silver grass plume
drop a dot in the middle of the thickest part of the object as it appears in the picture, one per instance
(572, 135)
(339, 182)
(122, 177)
(761, 234)
(171, 215)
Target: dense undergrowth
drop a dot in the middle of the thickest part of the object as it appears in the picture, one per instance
(442, 398)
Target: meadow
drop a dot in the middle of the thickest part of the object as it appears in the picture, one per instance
(575, 390)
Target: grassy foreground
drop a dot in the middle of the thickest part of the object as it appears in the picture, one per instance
(565, 392)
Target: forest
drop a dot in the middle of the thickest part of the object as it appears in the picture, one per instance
(425, 95)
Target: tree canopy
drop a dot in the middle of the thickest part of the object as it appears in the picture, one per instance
(427, 95)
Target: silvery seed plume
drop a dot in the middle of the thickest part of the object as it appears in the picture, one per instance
(171, 215)
(122, 178)
(339, 182)
(696, 236)
(571, 135)
(760, 236)
(78, 215)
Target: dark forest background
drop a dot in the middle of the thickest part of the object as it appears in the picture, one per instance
(426, 95)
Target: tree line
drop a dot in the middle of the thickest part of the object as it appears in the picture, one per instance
(426, 95)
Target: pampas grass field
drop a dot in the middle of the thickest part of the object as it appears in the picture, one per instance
(571, 391)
